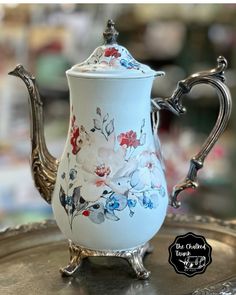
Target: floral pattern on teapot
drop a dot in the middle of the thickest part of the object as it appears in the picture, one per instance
(105, 57)
(110, 178)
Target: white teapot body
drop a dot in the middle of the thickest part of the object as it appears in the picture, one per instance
(110, 190)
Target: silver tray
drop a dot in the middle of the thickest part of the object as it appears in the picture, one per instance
(31, 255)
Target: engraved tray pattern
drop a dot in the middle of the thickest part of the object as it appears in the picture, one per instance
(31, 255)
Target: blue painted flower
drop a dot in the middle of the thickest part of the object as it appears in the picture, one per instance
(147, 203)
(114, 202)
(129, 64)
(72, 174)
(149, 199)
(68, 200)
(63, 175)
(131, 203)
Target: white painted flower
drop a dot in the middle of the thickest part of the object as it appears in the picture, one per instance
(149, 173)
(101, 168)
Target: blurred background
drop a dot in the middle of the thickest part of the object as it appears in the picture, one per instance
(179, 39)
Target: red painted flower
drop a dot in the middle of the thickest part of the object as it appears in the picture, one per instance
(86, 213)
(129, 139)
(100, 182)
(112, 51)
(74, 136)
(102, 170)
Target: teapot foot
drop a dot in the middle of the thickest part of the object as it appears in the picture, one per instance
(75, 261)
(135, 259)
(133, 256)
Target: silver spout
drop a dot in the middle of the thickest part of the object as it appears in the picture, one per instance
(43, 165)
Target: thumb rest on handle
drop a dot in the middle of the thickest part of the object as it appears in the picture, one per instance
(215, 78)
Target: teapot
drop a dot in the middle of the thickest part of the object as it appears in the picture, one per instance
(108, 190)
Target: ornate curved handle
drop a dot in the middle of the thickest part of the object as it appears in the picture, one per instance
(216, 79)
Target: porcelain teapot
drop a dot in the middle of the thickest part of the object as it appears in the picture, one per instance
(108, 190)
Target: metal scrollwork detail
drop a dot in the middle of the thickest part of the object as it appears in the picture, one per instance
(215, 78)
(44, 174)
(134, 257)
(228, 287)
(27, 228)
(43, 165)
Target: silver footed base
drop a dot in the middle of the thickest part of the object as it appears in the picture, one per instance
(134, 257)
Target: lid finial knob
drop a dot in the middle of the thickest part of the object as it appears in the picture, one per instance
(110, 35)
